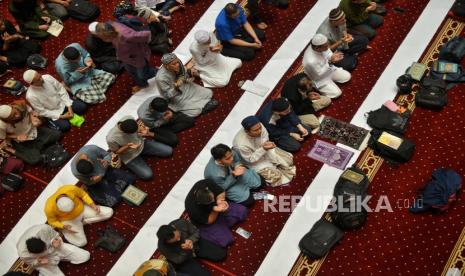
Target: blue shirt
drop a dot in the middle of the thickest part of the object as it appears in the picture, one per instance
(227, 28)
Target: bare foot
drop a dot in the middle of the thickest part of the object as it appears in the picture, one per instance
(262, 25)
(170, 41)
(369, 47)
(135, 89)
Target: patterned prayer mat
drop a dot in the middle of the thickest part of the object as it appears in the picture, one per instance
(343, 132)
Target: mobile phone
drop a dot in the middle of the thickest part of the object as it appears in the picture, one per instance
(244, 233)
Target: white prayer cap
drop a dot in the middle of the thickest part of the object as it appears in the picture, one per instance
(5, 111)
(65, 204)
(202, 36)
(93, 27)
(29, 75)
(319, 40)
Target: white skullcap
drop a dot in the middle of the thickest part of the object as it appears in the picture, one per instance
(93, 27)
(319, 40)
(202, 36)
(65, 204)
(29, 75)
(5, 111)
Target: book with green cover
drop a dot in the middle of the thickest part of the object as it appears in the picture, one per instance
(417, 70)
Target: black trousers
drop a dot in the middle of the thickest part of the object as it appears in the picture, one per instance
(241, 52)
(290, 144)
(166, 134)
(205, 250)
(350, 60)
(29, 151)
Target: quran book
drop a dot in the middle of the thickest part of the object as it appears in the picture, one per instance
(390, 140)
(355, 177)
(133, 195)
(417, 70)
(55, 28)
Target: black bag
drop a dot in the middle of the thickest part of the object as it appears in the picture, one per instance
(432, 93)
(54, 156)
(83, 10)
(14, 87)
(385, 119)
(453, 50)
(400, 153)
(110, 239)
(351, 188)
(12, 182)
(36, 62)
(404, 84)
(321, 238)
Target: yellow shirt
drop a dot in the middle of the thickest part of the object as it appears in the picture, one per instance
(76, 194)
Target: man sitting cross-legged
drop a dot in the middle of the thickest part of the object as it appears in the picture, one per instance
(69, 208)
(163, 122)
(283, 125)
(91, 165)
(208, 209)
(176, 85)
(22, 134)
(77, 69)
(42, 248)
(259, 153)
(225, 168)
(51, 101)
(180, 243)
(305, 101)
(239, 38)
(128, 140)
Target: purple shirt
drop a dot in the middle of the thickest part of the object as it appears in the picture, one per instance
(132, 46)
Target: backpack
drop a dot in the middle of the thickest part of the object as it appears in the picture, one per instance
(404, 84)
(459, 8)
(432, 93)
(110, 239)
(83, 10)
(392, 147)
(54, 156)
(453, 50)
(12, 182)
(321, 238)
(14, 87)
(385, 119)
(351, 186)
(36, 62)
(439, 192)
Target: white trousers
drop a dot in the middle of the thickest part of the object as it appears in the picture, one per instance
(67, 252)
(88, 216)
(331, 89)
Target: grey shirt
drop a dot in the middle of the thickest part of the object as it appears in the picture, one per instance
(94, 154)
(116, 138)
(332, 33)
(151, 118)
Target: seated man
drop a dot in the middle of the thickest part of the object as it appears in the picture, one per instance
(360, 16)
(20, 128)
(50, 100)
(42, 248)
(58, 8)
(334, 28)
(103, 53)
(15, 47)
(284, 127)
(215, 69)
(177, 87)
(304, 100)
(163, 122)
(255, 14)
(319, 66)
(77, 69)
(32, 17)
(91, 165)
(207, 207)
(180, 243)
(128, 141)
(160, 42)
(225, 168)
(165, 7)
(69, 208)
(239, 38)
(260, 154)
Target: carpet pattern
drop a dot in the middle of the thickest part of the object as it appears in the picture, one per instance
(422, 242)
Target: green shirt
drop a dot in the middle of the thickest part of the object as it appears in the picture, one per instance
(355, 13)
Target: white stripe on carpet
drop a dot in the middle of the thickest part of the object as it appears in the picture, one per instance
(285, 251)
(35, 214)
(144, 244)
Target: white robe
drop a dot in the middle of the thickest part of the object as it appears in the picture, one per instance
(214, 68)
